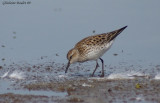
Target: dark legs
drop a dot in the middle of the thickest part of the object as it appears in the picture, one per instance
(102, 75)
(97, 65)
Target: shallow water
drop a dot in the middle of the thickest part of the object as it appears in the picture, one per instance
(6, 86)
(42, 81)
(30, 32)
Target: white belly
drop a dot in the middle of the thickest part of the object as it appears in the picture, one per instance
(98, 51)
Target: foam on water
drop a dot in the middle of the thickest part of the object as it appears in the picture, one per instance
(119, 76)
(14, 75)
(5, 75)
(86, 85)
(157, 77)
(127, 75)
(123, 75)
(17, 75)
(62, 76)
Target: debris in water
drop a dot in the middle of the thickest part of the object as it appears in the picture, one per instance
(138, 86)
(14, 32)
(1, 67)
(115, 54)
(3, 59)
(94, 31)
(3, 46)
(14, 37)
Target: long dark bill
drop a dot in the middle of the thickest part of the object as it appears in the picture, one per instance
(67, 66)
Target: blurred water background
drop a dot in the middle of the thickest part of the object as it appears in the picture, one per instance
(47, 29)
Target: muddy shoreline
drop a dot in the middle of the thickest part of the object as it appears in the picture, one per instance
(47, 83)
(91, 90)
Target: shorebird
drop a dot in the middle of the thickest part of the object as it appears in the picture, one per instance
(92, 48)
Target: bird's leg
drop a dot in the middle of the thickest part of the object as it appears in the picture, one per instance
(97, 65)
(102, 75)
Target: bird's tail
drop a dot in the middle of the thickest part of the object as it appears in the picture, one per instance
(112, 35)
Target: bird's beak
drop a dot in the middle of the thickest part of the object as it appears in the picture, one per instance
(67, 66)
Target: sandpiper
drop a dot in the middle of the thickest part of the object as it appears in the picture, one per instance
(92, 48)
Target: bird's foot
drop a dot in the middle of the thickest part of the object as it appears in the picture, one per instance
(102, 75)
(92, 75)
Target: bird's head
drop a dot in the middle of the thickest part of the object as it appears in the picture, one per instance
(72, 57)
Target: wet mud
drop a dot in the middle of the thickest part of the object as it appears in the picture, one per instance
(48, 83)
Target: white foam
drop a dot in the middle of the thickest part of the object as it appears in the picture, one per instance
(5, 75)
(138, 74)
(157, 77)
(62, 76)
(17, 75)
(120, 76)
(140, 98)
(86, 85)
(126, 75)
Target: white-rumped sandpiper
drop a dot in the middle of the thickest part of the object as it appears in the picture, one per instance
(92, 48)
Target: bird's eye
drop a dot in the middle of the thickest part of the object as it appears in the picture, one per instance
(70, 57)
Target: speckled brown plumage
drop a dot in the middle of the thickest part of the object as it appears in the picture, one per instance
(92, 47)
(87, 44)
